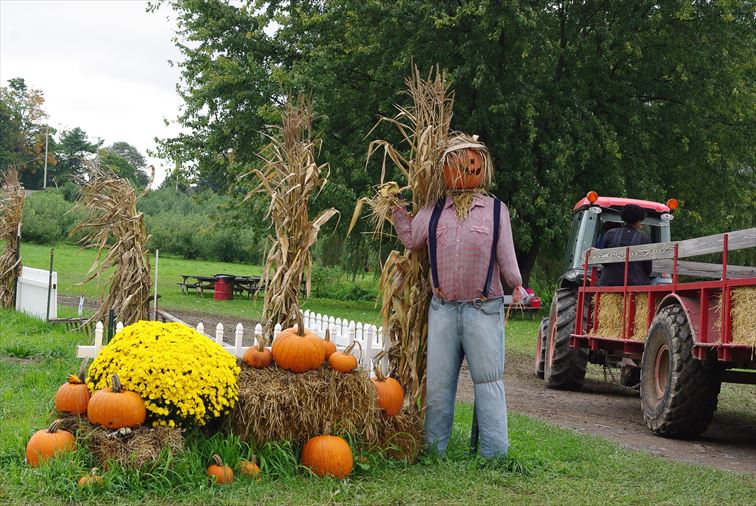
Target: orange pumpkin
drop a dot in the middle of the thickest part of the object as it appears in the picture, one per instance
(463, 170)
(297, 350)
(219, 472)
(91, 479)
(258, 356)
(329, 347)
(389, 392)
(250, 468)
(114, 408)
(73, 395)
(344, 361)
(47, 442)
(328, 456)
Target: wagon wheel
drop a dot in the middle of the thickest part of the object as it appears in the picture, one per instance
(564, 366)
(541, 343)
(678, 392)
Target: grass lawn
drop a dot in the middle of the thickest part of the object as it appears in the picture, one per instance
(73, 263)
(546, 465)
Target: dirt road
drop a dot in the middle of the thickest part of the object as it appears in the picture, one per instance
(602, 408)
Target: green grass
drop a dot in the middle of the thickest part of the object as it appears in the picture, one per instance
(547, 465)
(72, 265)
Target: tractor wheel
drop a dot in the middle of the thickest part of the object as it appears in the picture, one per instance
(678, 392)
(540, 356)
(564, 366)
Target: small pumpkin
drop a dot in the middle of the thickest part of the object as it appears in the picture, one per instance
(297, 349)
(219, 472)
(250, 468)
(73, 395)
(344, 361)
(91, 479)
(328, 456)
(115, 408)
(329, 347)
(47, 442)
(463, 170)
(389, 392)
(258, 356)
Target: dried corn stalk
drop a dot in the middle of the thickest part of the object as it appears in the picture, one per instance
(110, 203)
(405, 288)
(290, 177)
(11, 208)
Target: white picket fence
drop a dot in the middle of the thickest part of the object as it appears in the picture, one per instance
(343, 332)
(31, 292)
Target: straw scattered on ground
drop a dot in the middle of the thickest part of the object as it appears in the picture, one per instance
(112, 216)
(277, 405)
(12, 198)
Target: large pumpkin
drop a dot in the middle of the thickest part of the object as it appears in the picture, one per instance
(72, 396)
(297, 350)
(328, 456)
(463, 170)
(258, 356)
(389, 392)
(47, 442)
(114, 408)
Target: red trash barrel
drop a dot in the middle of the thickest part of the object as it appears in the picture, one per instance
(224, 285)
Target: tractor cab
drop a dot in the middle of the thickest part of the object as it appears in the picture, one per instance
(594, 215)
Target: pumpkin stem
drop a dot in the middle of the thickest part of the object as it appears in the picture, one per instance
(300, 323)
(260, 345)
(349, 348)
(327, 335)
(116, 384)
(74, 379)
(54, 426)
(83, 370)
(377, 366)
(218, 460)
(253, 459)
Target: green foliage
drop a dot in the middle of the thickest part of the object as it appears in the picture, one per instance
(73, 150)
(48, 217)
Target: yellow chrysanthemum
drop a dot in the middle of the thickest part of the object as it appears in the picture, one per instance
(184, 377)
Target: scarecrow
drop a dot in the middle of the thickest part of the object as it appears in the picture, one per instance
(469, 240)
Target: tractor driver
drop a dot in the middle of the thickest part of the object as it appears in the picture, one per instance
(629, 235)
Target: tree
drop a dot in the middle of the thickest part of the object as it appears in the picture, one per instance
(136, 161)
(73, 150)
(641, 99)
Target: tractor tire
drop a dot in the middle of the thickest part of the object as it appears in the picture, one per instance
(678, 392)
(564, 366)
(541, 341)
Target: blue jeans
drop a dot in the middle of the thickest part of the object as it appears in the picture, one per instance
(475, 331)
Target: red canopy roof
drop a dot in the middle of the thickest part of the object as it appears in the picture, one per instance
(617, 201)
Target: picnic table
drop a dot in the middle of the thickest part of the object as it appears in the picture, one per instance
(240, 284)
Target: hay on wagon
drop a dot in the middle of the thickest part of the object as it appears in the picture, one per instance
(610, 316)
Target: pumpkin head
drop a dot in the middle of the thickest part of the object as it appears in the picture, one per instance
(258, 356)
(389, 392)
(47, 442)
(73, 395)
(114, 408)
(344, 361)
(329, 347)
(328, 456)
(463, 170)
(91, 479)
(250, 468)
(297, 350)
(220, 473)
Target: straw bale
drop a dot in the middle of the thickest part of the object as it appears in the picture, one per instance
(127, 447)
(641, 308)
(743, 312)
(399, 436)
(277, 405)
(12, 198)
(609, 316)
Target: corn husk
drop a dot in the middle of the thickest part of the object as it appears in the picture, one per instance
(12, 198)
(112, 217)
(290, 177)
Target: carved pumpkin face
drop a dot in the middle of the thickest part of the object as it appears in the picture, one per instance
(463, 170)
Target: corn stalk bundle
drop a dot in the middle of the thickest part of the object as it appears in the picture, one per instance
(11, 207)
(111, 216)
(290, 176)
(405, 289)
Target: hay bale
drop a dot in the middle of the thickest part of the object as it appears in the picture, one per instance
(276, 405)
(609, 316)
(131, 448)
(641, 308)
(399, 436)
(743, 313)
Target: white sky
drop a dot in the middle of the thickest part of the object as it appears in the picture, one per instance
(101, 64)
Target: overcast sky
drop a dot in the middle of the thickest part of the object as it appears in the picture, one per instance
(101, 64)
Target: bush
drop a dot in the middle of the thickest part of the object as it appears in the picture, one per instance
(48, 217)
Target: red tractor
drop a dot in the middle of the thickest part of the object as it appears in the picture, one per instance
(669, 337)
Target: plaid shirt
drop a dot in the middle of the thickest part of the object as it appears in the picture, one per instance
(464, 248)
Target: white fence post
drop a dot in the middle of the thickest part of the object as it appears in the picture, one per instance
(276, 330)
(99, 330)
(119, 327)
(219, 334)
(201, 328)
(238, 339)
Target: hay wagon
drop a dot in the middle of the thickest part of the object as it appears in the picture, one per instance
(680, 339)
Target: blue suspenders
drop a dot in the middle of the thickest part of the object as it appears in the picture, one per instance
(433, 245)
